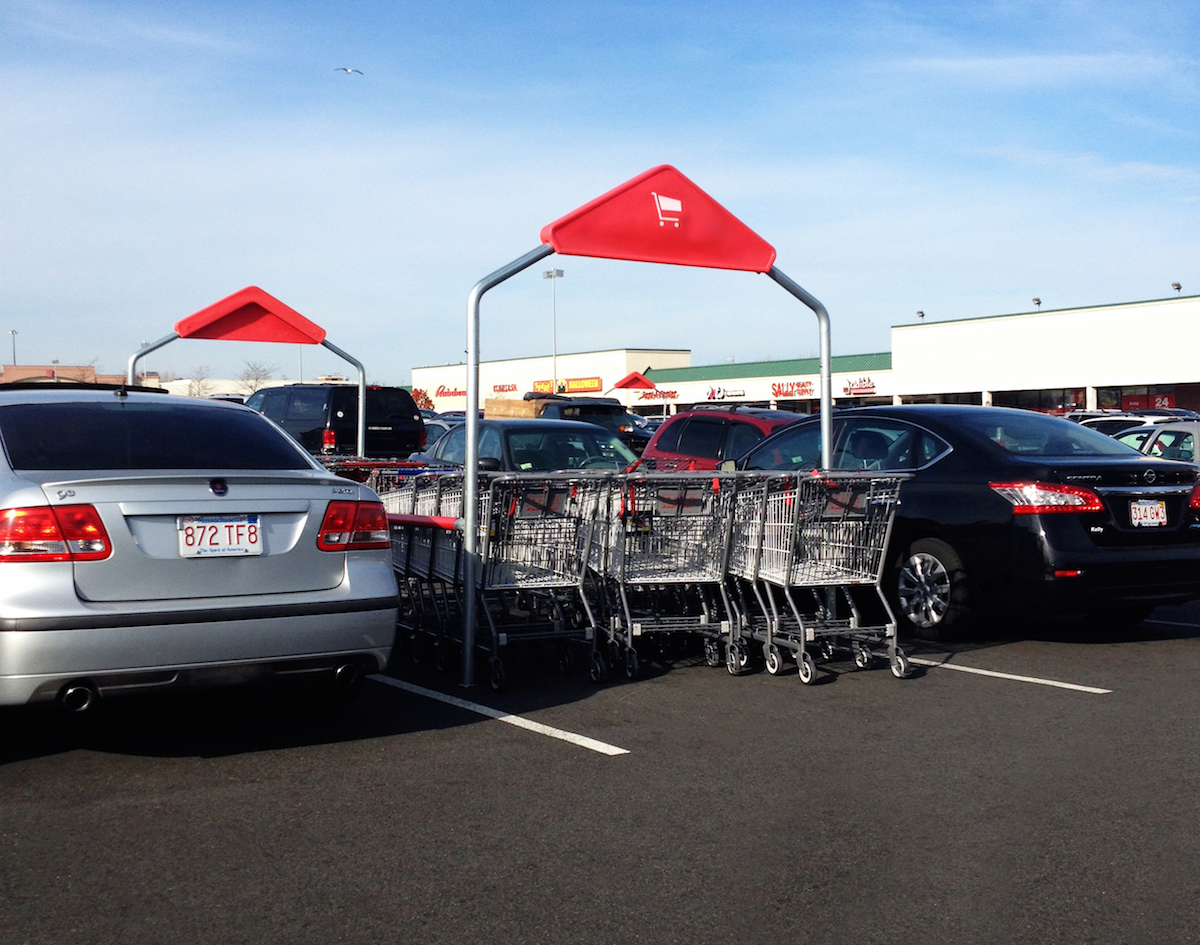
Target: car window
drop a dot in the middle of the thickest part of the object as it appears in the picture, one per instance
(798, 447)
(742, 436)
(123, 435)
(880, 444)
(255, 400)
(308, 404)
(452, 448)
(668, 439)
(1134, 438)
(701, 437)
(386, 402)
(1033, 434)
(274, 403)
(567, 449)
(490, 446)
(606, 415)
(1174, 444)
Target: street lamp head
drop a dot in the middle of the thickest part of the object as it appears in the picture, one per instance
(552, 274)
(1176, 286)
(1037, 302)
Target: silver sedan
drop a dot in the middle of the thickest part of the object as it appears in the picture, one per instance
(150, 540)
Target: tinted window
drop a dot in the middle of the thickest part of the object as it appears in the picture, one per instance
(1031, 434)
(122, 435)
(274, 403)
(799, 447)
(568, 449)
(307, 404)
(490, 446)
(388, 402)
(742, 436)
(668, 440)
(701, 437)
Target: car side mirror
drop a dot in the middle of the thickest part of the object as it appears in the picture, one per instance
(728, 465)
(489, 464)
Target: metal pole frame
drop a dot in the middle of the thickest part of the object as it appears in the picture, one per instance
(361, 443)
(470, 538)
(471, 460)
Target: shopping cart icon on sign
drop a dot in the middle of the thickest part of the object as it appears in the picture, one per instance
(665, 205)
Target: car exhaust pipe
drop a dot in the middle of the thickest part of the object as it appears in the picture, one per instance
(347, 675)
(78, 696)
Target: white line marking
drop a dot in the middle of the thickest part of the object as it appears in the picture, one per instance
(1174, 623)
(987, 672)
(581, 740)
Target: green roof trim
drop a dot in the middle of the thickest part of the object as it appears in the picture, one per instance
(1044, 311)
(842, 364)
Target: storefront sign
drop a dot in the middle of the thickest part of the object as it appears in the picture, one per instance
(583, 385)
(658, 395)
(1147, 401)
(504, 388)
(444, 391)
(858, 386)
(724, 393)
(789, 390)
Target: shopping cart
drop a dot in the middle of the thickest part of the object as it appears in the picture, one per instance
(807, 556)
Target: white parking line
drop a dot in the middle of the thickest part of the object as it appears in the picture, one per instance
(581, 740)
(1174, 623)
(987, 672)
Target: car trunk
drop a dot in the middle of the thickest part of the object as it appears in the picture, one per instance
(142, 514)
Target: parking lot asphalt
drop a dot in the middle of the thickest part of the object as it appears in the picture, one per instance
(948, 807)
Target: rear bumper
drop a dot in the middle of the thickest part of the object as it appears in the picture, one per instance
(124, 654)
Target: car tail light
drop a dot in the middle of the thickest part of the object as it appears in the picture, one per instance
(1194, 501)
(1042, 498)
(424, 437)
(43, 533)
(328, 440)
(354, 526)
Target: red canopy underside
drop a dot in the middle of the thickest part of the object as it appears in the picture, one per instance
(635, 380)
(250, 315)
(662, 217)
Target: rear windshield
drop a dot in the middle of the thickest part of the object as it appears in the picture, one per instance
(1038, 435)
(123, 435)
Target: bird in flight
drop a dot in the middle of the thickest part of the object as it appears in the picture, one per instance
(347, 71)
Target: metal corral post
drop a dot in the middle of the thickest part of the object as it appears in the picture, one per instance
(471, 460)
(826, 364)
(131, 371)
(361, 442)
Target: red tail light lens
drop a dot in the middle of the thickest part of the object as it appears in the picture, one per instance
(1044, 498)
(1194, 501)
(354, 526)
(328, 440)
(65, 533)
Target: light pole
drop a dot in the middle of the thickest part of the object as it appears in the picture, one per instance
(13, 332)
(55, 369)
(553, 275)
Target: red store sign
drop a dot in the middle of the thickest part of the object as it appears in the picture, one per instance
(792, 389)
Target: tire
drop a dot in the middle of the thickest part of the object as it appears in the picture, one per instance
(929, 591)
(775, 661)
(899, 665)
(597, 668)
(807, 668)
(631, 663)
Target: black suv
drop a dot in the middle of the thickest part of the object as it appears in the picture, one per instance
(323, 417)
(603, 411)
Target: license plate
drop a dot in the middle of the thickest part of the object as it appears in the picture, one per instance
(215, 536)
(1147, 512)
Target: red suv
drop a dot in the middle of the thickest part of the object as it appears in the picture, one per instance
(702, 439)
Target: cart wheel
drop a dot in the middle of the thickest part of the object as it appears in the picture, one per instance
(631, 663)
(775, 662)
(900, 665)
(497, 673)
(733, 659)
(712, 652)
(416, 648)
(566, 659)
(440, 657)
(828, 650)
(862, 657)
(598, 669)
(808, 669)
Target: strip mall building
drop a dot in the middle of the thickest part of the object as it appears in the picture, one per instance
(1126, 355)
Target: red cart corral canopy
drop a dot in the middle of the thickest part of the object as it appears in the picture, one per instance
(662, 217)
(250, 315)
(634, 380)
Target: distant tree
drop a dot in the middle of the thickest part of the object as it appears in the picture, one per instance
(422, 399)
(251, 379)
(199, 384)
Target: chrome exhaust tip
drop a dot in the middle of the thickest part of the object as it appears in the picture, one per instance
(347, 675)
(78, 696)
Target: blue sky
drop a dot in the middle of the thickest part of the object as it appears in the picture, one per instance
(958, 158)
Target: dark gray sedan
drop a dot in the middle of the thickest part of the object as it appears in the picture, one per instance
(533, 446)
